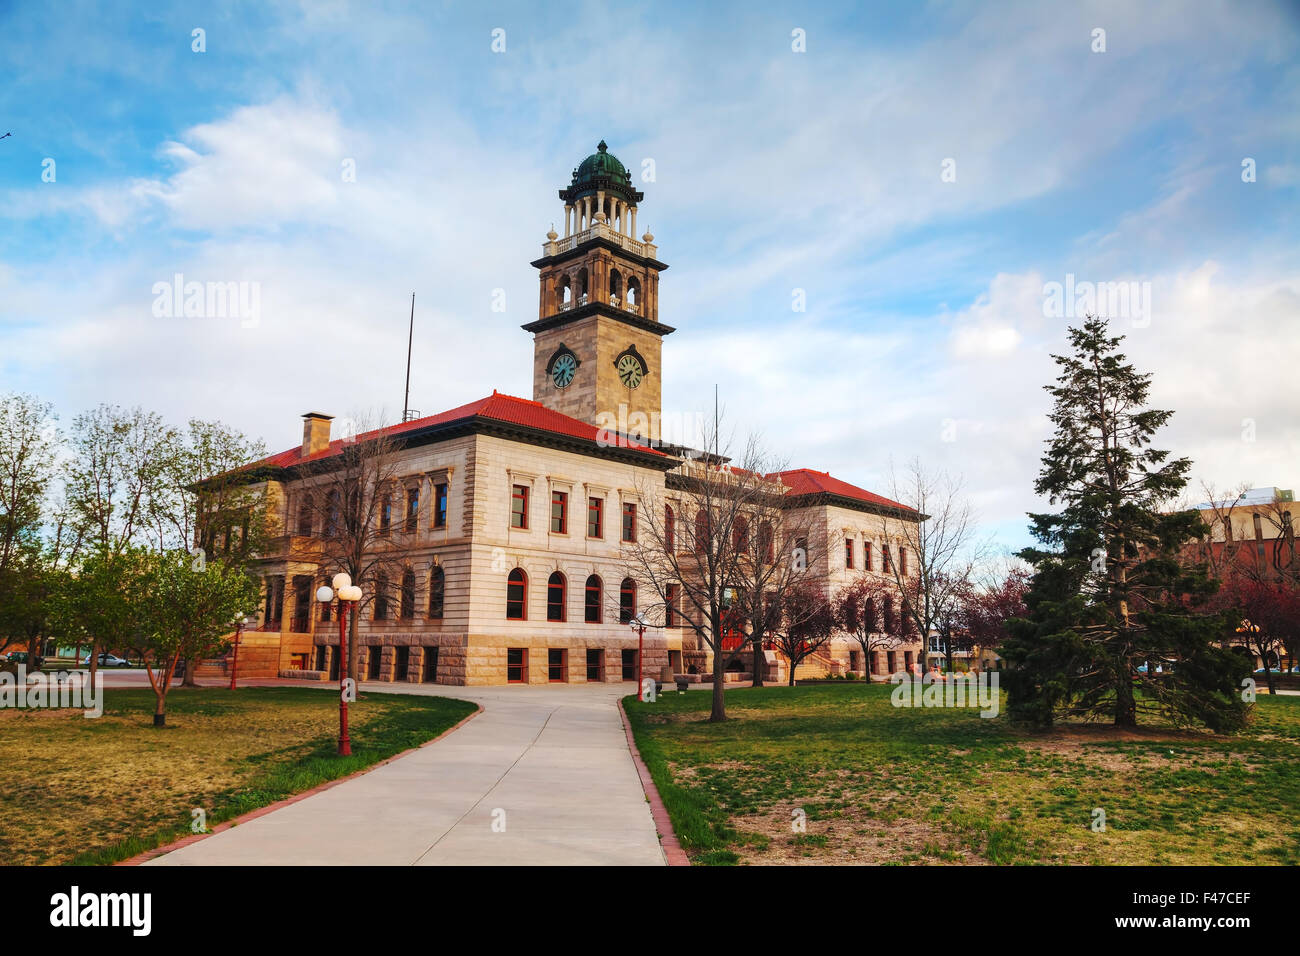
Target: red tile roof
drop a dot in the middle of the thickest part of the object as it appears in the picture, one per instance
(805, 481)
(496, 407)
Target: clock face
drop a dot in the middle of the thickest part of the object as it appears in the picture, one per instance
(629, 371)
(563, 370)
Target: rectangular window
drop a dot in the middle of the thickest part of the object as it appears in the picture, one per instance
(884, 558)
(559, 512)
(519, 507)
(902, 560)
(385, 514)
(670, 606)
(402, 667)
(595, 665)
(866, 555)
(440, 506)
(412, 509)
(595, 515)
(556, 671)
(517, 665)
(848, 553)
(430, 674)
(629, 665)
(629, 522)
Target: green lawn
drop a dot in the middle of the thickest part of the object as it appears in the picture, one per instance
(101, 790)
(887, 785)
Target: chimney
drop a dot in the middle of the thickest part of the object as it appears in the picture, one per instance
(315, 433)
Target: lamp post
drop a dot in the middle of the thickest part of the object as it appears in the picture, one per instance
(638, 624)
(348, 593)
(234, 660)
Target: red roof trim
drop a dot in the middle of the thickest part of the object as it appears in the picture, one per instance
(806, 481)
(497, 407)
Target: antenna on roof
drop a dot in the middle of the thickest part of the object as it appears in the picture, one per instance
(407, 412)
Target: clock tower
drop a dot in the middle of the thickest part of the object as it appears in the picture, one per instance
(597, 340)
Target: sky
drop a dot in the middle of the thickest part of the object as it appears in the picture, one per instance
(864, 213)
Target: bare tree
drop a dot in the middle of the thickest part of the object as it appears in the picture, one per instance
(862, 608)
(687, 553)
(348, 516)
(936, 556)
(805, 623)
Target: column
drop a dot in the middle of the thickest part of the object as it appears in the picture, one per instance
(633, 232)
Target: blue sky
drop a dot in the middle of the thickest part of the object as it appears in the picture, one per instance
(924, 334)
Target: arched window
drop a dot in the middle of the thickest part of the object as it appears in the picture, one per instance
(304, 516)
(766, 542)
(627, 601)
(615, 286)
(565, 292)
(582, 287)
(670, 529)
(517, 595)
(633, 292)
(740, 535)
(593, 599)
(437, 592)
(555, 597)
(407, 608)
(381, 597)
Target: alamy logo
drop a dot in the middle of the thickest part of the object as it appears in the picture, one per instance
(948, 690)
(74, 909)
(1113, 300)
(208, 300)
(52, 689)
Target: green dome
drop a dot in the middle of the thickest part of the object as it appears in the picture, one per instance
(600, 163)
(601, 171)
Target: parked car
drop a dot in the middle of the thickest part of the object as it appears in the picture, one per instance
(21, 657)
(107, 660)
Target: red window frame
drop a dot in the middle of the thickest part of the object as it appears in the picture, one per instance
(629, 522)
(885, 564)
(848, 553)
(437, 593)
(518, 578)
(593, 612)
(866, 555)
(595, 517)
(560, 518)
(670, 606)
(626, 601)
(554, 665)
(519, 507)
(902, 560)
(670, 528)
(556, 587)
(517, 662)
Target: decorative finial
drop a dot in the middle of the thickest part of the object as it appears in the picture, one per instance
(648, 237)
(552, 235)
(601, 146)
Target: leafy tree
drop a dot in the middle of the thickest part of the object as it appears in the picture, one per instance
(1108, 594)
(28, 442)
(986, 611)
(100, 602)
(188, 608)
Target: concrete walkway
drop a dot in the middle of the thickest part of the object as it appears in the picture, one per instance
(543, 776)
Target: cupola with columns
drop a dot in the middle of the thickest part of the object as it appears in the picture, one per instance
(597, 338)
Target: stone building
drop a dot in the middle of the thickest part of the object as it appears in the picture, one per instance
(513, 514)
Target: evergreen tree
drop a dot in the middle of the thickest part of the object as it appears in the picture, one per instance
(1113, 627)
